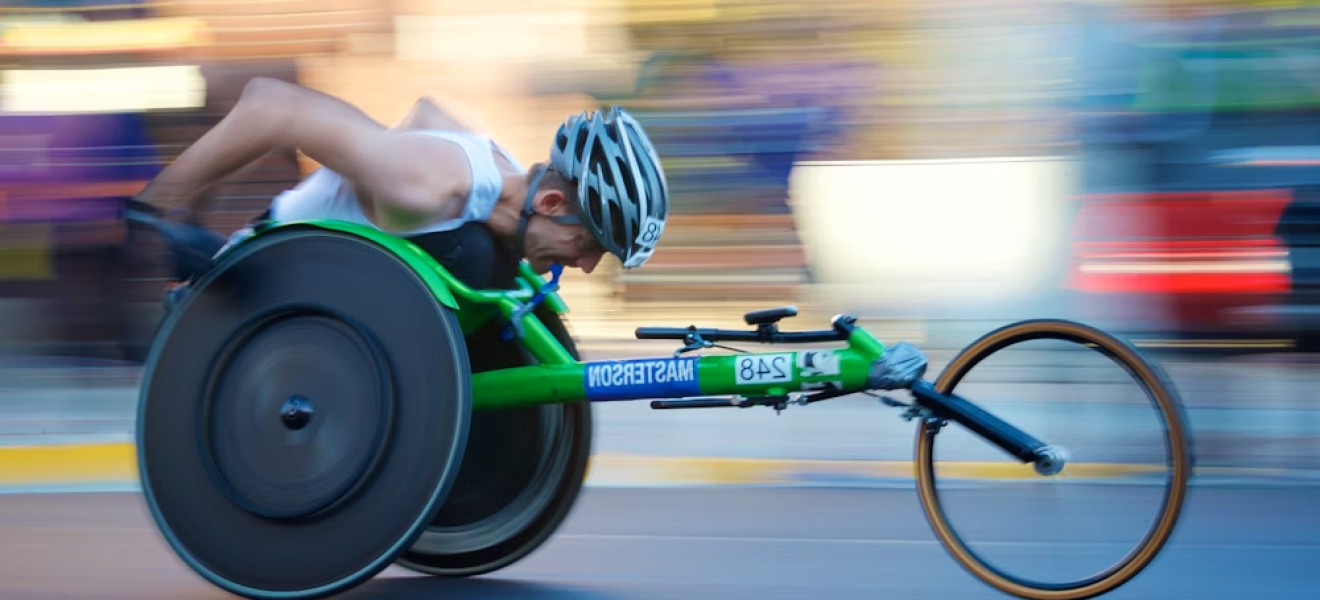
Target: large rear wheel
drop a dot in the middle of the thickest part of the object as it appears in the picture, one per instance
(303, 415)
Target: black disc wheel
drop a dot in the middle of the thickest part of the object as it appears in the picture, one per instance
(521, 475)
(1176, 443)
(303, 416)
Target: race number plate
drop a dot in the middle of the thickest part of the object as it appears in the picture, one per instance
(763, 369)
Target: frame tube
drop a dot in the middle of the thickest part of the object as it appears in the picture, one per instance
(1010, 439)
(746, 374)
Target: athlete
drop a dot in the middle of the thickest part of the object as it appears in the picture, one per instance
(431, 180)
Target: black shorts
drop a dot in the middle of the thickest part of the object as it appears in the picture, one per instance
(473, 255)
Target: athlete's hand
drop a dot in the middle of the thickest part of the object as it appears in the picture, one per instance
(191, 246)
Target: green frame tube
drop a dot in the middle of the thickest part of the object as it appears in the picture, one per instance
(561, 379)
(653, 377)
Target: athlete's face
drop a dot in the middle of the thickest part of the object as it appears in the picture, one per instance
(548, 242)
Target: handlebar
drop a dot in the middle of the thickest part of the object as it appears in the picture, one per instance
(738, 335)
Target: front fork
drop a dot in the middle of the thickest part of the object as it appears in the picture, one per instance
(902, 366)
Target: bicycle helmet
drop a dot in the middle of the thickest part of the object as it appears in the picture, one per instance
(622, 195)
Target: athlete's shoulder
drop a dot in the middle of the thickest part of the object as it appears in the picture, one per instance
(507, 156)
(478, 140)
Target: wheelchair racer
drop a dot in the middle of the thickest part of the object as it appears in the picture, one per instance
(452, 191)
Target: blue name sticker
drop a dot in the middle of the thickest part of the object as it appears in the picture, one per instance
(641, 378)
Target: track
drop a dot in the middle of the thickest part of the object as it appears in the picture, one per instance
(736, 543)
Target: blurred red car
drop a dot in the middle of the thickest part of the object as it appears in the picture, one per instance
(1211, 269)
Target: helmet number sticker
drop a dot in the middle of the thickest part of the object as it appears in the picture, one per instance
(651, 230)
(647, 237)
(763, 368)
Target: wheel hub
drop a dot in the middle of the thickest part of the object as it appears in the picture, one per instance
(1051, 460)
(296, 412)
(300, 462)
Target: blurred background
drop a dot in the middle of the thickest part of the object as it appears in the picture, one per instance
(935, 167)
(938, 168)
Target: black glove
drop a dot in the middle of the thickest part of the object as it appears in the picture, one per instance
(191, 246)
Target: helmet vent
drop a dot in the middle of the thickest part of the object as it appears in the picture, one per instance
(581, 143)
(594, 205)
(617, 226)
(627, 181)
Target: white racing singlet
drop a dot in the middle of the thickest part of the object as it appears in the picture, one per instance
(327, 195)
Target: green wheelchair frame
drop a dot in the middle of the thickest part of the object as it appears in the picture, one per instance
(859, 363)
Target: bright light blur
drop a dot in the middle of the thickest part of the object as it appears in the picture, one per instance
(102, 90)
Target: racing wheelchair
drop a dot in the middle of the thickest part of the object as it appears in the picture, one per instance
(327, 400)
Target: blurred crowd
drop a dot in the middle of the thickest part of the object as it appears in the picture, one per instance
(1187, 122)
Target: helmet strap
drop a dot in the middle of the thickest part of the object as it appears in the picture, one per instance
(528, 211)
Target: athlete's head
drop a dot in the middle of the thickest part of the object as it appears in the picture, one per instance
(603, 190)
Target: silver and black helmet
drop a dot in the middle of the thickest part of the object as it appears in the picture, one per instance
(621, 189)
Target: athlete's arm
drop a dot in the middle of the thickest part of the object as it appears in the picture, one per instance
(413, 178)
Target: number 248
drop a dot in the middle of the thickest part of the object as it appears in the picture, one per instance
(760, 368)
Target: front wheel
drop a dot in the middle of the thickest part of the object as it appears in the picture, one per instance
(1177, 445)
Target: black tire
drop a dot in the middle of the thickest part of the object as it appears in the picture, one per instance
(541, 453)
(303, 415)
(1178, 444)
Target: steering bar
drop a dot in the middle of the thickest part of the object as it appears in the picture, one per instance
(764, 335)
